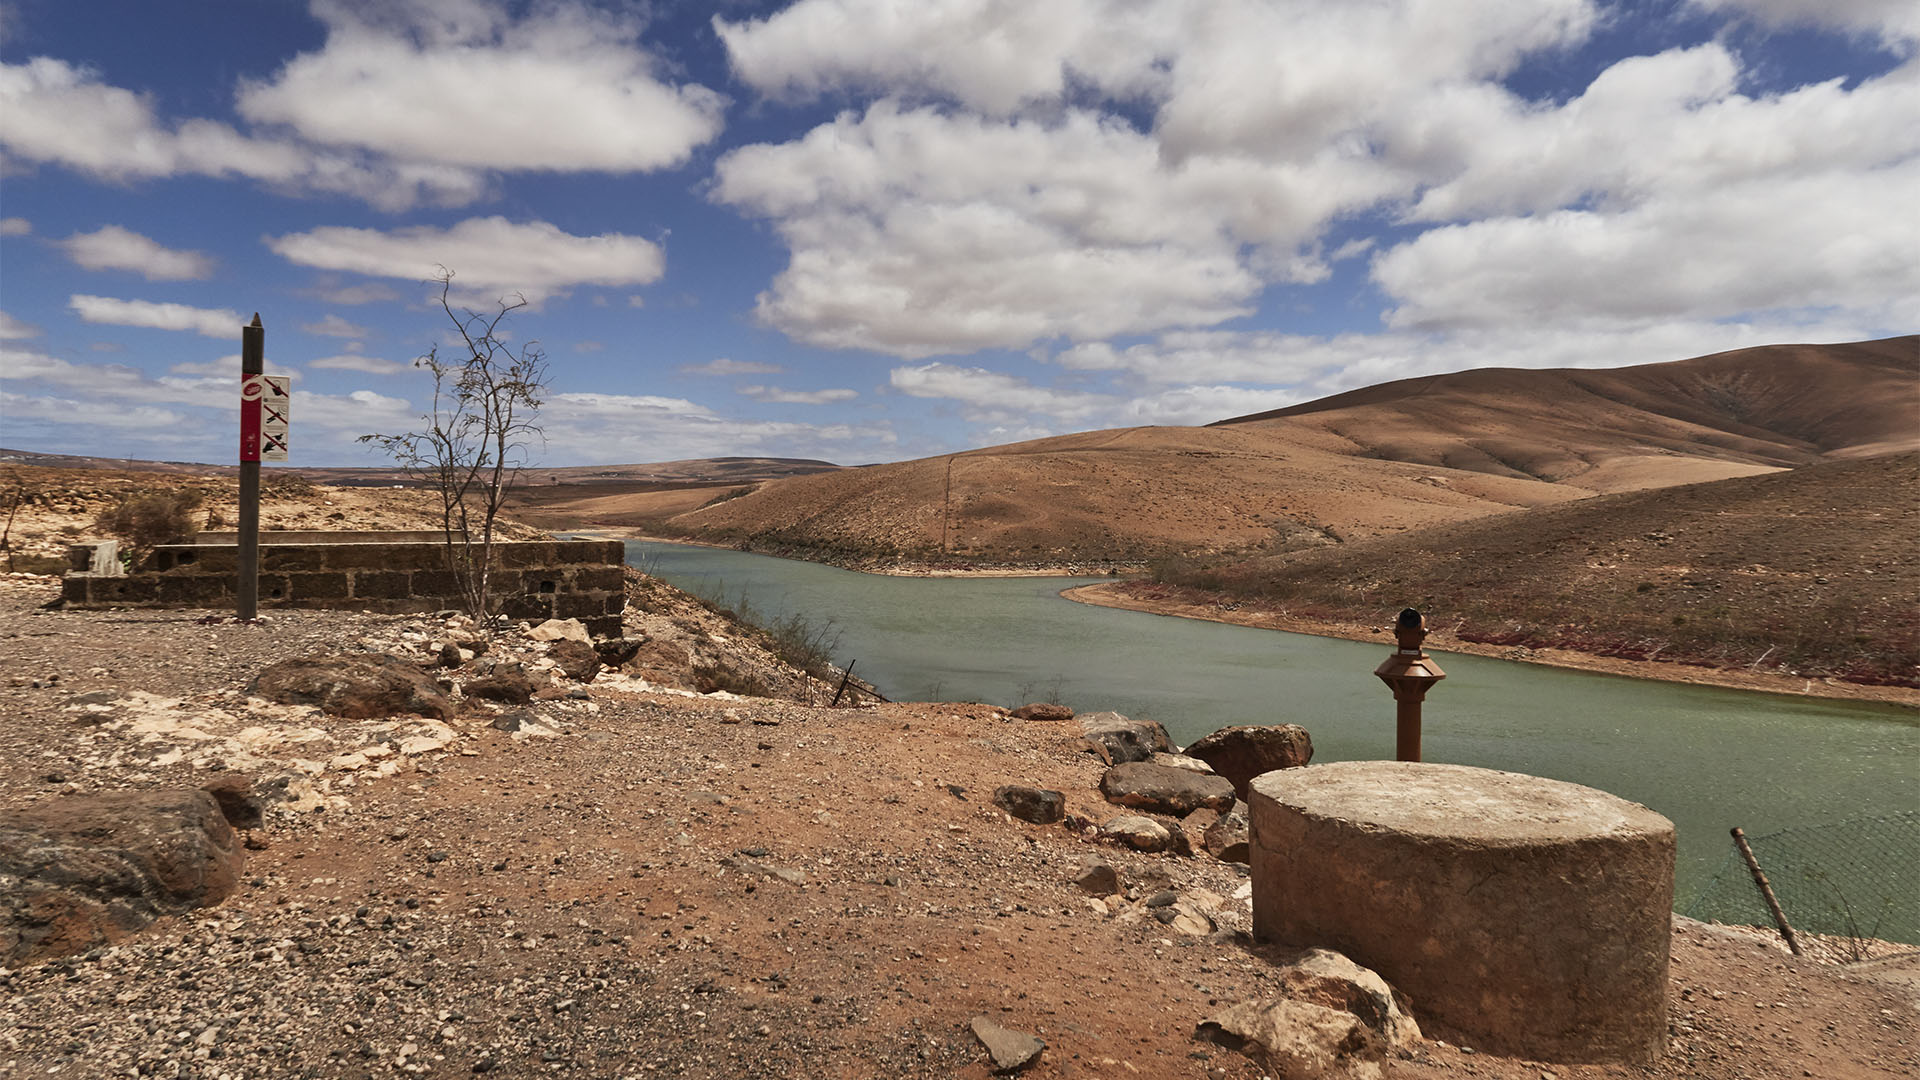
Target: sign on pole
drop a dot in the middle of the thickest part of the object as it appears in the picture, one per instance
(265, 407)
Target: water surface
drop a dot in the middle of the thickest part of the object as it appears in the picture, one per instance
(1707, 758)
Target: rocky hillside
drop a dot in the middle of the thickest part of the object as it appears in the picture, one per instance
(1812, 571)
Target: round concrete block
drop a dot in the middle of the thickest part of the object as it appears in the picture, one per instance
(1529, 913)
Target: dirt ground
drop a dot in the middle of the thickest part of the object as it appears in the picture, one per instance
(676, 885)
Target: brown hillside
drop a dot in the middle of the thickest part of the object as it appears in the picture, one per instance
(1120, 495)
(1812, 571)
(1388, 459)
(1650, 425)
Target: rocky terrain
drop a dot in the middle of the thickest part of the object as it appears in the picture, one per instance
(1805, 577)
(618, 880)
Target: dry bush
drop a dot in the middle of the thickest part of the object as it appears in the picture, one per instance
(142, 521)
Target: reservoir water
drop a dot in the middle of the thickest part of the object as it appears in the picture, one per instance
(1708, 759)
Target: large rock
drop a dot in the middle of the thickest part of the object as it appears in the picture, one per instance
(1161, 789)
(1334, 1020)
(561, 630)
(1043, 711)
(578, 661)
(507, 683)
(83, 871)
(1011, 1050)
(1041, 806)
(1226, 837)
(356, 687)
(1137, 832)
(1242, 753)
(1531, 914)
(1118, 739)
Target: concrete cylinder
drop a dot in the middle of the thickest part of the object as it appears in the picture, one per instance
(1530, 914)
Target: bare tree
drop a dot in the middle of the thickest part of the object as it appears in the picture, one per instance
(476, 438)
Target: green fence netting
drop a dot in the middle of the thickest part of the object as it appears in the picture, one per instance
(1856, 879)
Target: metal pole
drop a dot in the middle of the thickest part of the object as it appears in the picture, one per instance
(844, 676)
(253, 352)
(1406, 716)
(1766, 891)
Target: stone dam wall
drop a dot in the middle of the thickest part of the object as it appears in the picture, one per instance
(535, 580)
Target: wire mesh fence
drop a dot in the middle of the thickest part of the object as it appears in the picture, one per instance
(1856, 882)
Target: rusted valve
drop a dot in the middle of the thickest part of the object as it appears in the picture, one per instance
(1409, 673)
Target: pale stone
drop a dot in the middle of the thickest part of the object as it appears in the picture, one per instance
(561, 630)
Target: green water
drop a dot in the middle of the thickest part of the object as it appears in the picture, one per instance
(1708, 759)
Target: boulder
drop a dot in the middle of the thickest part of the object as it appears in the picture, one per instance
(615, 652)
(1138, 833)
(1117, 739)
(1038, 805)
(580, 662)
(1181, 761)
(1226, 838)
(238, 804)
(506, 683)
(1333, 1019)
(1043, 711)
(355, 687)
(1163, 790)
(1098, 877)
(1011, 1050)
(82, 871)
(1242, 753)
(561, 630)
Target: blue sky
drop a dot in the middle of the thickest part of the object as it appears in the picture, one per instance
(868, 231)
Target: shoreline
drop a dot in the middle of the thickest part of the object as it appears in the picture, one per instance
(912, 570)
(1105, 594)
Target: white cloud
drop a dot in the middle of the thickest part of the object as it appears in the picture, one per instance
(589, 346)
(723, 366)
(112, 247)
(52, 112)
(918, 233)
(15, 226)
(335, 326)
(365, 364)
(12, 329)
(620, 427)
(1895, 22)
(778, 396)
(489, 256)
(1203, 404)
(991, 395)
(368, 293)
(161, 426)
(1849, 243)
(565, 89)
(219, 323)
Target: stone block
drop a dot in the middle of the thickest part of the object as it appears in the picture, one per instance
(194, 590)
(598, 579)
(524, 553)
(441, 584)
(322, 585)
(533, 608)
(1529, 913)
(382, 584)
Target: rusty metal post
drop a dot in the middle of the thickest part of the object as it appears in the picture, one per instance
(1766, 891)
(253, 353)
(1409, 673)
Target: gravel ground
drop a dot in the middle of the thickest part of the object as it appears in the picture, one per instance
(677, 885)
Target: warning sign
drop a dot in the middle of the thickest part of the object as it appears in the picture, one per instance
(265, 408)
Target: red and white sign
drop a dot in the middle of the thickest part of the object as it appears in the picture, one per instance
(265, 407)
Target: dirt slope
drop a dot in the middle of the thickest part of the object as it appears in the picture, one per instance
(1399, 457)
(1729, 413)
(1812, 571)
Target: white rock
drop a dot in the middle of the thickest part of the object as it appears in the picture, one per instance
(559, 629)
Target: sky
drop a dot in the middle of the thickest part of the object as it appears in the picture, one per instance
(866, 231)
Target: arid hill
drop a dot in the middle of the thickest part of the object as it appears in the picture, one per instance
(1626, 428)
(1811, 571)
(1395, 458)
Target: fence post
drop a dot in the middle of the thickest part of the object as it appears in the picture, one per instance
(253, 352)
(1766, 890)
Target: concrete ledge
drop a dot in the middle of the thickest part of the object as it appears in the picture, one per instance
(1531, 914)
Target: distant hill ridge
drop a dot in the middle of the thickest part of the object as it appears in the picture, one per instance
(1398, 457)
